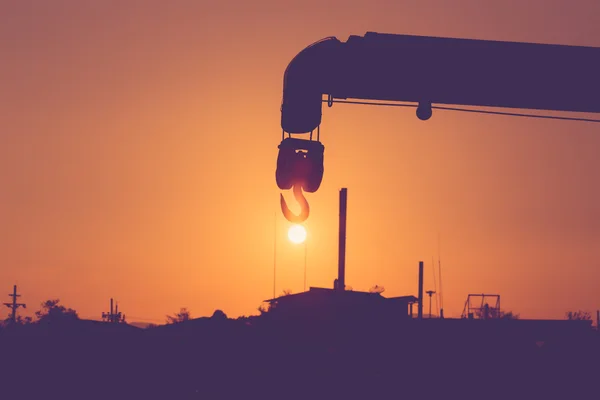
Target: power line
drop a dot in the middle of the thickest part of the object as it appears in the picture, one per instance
(144, 319)
(129, 318)
(510, 114)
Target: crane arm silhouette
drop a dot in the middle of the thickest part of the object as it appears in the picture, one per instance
(424, 70)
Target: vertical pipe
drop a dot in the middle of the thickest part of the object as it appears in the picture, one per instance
(274, 251)
(420, 310)
(342, 240)
(441, 294)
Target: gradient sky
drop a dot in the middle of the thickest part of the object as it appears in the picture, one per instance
(138, 142)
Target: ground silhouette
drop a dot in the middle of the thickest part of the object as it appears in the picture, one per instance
(277, 354)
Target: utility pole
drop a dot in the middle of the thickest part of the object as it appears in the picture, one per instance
(420, 307)
(14, 305)
(429, 293)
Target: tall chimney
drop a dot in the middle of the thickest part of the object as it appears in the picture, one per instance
(110, 318)
(420, 309)
(341, 281)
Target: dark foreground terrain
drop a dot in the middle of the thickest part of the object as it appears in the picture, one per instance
(279, 358)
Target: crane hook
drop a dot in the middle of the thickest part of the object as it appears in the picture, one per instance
(304, 207)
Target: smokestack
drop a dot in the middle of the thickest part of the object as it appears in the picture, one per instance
(341, 281)
(111, 309)
(420, 310)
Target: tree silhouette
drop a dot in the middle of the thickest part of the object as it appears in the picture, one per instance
(52, 311)
(219, 314)
(377, 289)
(578, 316)
(181, 316)
(508, 315)
(20, 320)
(266, 308)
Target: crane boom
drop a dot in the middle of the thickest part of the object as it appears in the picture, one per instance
(422, 69)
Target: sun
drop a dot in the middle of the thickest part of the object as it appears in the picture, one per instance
(297, 234)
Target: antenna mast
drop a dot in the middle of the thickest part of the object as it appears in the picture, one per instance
(437, 306)
(114, 316)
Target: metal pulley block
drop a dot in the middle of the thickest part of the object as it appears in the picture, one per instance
(300, 162)
(299, 166)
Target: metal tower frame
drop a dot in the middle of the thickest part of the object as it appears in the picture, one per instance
(474, 309)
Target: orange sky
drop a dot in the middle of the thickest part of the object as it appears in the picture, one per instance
(138, 146)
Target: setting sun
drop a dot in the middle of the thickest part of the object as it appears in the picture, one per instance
(297, 234)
